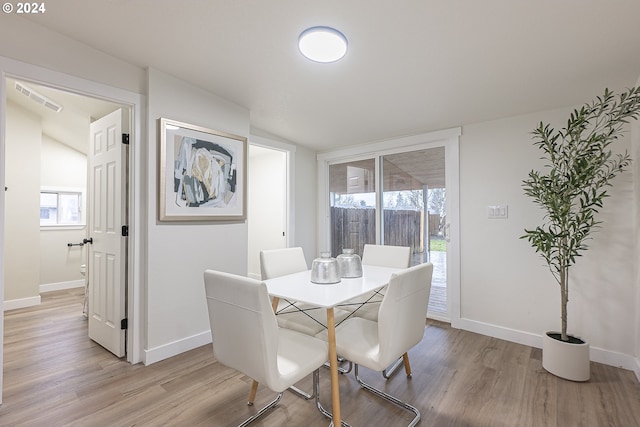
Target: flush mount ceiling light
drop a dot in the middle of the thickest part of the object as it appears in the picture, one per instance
(322, 44)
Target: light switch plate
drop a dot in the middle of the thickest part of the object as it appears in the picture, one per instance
(498, 211)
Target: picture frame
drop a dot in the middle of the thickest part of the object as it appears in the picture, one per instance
(202, 173)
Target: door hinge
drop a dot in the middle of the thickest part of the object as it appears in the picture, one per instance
(125, 230)
(124, 324)
(125, 138)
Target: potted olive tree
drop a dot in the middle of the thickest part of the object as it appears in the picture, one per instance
(579, 167)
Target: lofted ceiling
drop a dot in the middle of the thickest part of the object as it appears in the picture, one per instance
(70, 125)
(412, 66)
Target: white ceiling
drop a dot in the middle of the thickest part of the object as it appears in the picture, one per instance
(413, 66)
(69, 126)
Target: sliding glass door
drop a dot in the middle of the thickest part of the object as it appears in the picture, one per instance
(413, 194)
(394, 199)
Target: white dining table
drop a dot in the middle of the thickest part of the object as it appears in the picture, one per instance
(298, 287)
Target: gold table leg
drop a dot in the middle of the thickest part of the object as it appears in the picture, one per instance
(333, 364)
(407, 365)
(252, 393)
(274, 303)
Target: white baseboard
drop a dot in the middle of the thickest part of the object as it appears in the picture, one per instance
(49, 287)
(166, 351)
(255, 276)
(438, 317)
(14, 304)
(31, 301)
(500, 332)
(612, 358)
(596, 354)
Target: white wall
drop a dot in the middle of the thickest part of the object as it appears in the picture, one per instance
(62, 167)
(506, 289)
(178, 253)
(29, 42)
(305, 185)
(22, 208)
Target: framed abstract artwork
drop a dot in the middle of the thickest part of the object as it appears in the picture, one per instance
(203, 173)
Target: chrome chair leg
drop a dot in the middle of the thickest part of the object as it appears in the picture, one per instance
(389, 398)
(262, 411)
(387, 373)
(301, 393)
(316, 392)
(346, 371)
(341, 370)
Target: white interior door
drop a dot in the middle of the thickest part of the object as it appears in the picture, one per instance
(107, 215)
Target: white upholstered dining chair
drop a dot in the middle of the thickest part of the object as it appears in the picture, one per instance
(246, 337)
(400, 326)
(299, 317)
(386, 255)
(280, 262)
(383, 256)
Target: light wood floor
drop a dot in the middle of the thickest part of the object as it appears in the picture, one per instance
(55, 376)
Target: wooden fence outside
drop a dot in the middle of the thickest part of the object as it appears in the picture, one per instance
(352, 228)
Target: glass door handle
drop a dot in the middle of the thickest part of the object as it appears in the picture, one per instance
(446, 233)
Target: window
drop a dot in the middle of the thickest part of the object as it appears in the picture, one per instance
(61, 207)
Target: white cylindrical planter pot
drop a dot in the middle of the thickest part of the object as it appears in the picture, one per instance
(564, 359)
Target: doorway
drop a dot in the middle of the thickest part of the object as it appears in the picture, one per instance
(267, 203)
(396, 199)
(49, 127)
(404, 192)
(135, 102)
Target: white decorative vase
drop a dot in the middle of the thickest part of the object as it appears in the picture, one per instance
(565, 359)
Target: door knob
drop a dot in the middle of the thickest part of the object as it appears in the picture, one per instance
(89, 240)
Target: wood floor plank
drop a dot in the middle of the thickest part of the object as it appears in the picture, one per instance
(55, 376)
